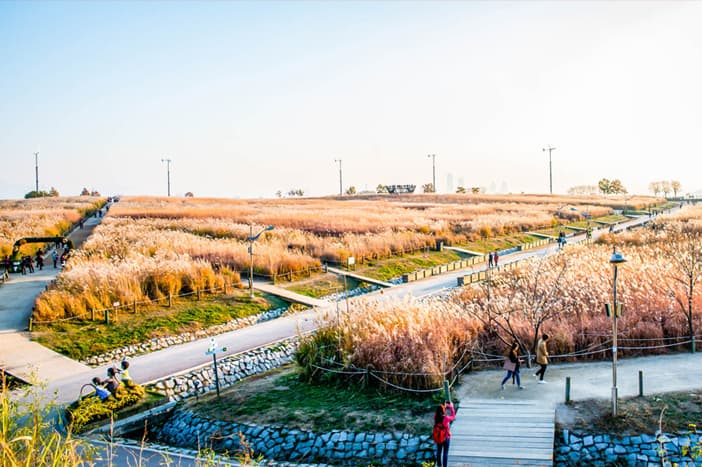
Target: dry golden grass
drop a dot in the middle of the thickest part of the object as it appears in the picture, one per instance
(407, 343)
(41, 217)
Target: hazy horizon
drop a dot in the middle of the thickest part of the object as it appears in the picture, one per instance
(248, 98)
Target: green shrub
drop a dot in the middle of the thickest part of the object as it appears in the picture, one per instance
(91, 408)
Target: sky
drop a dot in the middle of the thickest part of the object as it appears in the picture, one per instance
(249, 98)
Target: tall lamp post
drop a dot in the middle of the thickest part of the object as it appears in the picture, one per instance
(550, 171)
(615, 260)
(340, 180)
(36, 172)
(168, 169)
(251, 239)
(433, 171)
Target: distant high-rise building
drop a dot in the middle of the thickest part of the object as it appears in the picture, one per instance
(504, 188)
(461, 182)
(449, 183)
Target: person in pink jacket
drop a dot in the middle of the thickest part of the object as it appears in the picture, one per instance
(443, 417)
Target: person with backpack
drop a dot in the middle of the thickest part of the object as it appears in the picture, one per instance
(512, 366)
(445, 414)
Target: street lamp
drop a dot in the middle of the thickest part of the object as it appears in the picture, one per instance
(615, 260)
(550, 171)
(168, 165)
(252, 238)
(433, 171)
(36, 172)
(340, 181)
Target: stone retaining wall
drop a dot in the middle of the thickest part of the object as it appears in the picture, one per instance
(231, 369)
(185, 429)
(643, 450)
(164, 342)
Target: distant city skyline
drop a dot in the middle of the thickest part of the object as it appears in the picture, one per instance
(249, 98)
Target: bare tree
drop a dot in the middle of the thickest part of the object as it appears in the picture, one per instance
(531, 293)
(675, 186)
(685, 249)
(655, 188)
(665, 188)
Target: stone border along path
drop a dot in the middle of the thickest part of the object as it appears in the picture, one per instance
(179, 358)
(160, 364)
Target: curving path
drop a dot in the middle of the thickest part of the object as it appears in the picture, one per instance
(19, 355)
(176, 359)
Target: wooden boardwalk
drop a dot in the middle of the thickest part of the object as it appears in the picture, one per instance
(359, 277)
(502, 433)
(289, 296)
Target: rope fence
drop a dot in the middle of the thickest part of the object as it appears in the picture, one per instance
(384, 376)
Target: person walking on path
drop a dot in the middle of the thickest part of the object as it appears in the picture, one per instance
(512, 366)
(495, 257)
(542, 357)
(54, 256)
(491, 260)
(442, 431)
(40, 260)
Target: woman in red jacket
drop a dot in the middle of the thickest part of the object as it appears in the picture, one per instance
(443, 417)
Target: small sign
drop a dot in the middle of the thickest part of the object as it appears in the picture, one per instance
(115, 304)
(351, 261)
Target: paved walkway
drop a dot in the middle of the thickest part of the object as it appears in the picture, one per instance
(503, 417)
(19, 355)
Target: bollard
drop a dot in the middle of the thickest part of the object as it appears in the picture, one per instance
(567, 394)
(640, 383)
(30, 324)
(107, 316)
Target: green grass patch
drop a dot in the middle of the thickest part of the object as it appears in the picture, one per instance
(321, 285)
(636, 415)
(613, 219)
(81, 339)
(279, 397)
(83, 413)
(556, 230)
(390, 268)
(500, 243)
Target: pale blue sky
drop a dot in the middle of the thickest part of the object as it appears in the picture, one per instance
(251, 98)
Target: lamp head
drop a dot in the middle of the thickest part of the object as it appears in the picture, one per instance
(270, 227)
(616, 258)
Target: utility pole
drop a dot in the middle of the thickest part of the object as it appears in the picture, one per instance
(433, 171)
(168, 168)
(36, 172)
(341, 193)
(550, 171)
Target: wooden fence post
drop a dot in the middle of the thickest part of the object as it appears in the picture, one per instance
(107, 316)
(92, 314)
(30, 324)
(170, 300)
(197, 291)
(567, 390)
(135, 306)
